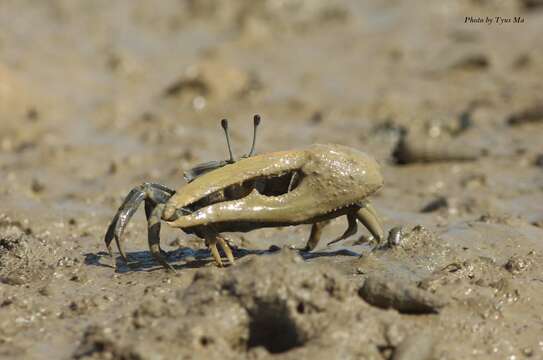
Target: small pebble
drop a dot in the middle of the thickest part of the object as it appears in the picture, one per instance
(37, 186)
(395, 236)
(516, 264)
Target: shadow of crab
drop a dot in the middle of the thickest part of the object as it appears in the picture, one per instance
(144, 261)
(192, 258)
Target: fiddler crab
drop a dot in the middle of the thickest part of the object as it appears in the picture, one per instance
(305, 186)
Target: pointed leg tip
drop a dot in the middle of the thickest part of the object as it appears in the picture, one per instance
(227, 250)
(231, 260)
(216, 256)
(218, 262)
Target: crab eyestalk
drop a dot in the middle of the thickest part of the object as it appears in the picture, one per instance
(224, 124)
(256, 122)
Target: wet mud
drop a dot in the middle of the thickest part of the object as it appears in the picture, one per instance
(98, 97)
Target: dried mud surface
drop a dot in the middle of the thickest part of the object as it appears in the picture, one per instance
(97, 97)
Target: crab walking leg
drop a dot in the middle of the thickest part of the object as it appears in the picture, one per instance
(212, 243)
(119, 222)
(352, 227)
(367, 204)
(110, 235)
(211, 239)
(315, 235)
(154, 214)
(368, 216)
(155, 193)
(226, 248)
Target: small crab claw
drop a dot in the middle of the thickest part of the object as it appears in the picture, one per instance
(155, 196)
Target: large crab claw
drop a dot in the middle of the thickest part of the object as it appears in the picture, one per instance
(282, 188)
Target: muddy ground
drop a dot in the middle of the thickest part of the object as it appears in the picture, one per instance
(97, 97)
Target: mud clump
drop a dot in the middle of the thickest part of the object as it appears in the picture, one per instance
(20, 255)
(420, 148)
(272, 304)
(97, 345)
(529, 115)
(388, 293)
(471, 62)
(281, 305)
(212, 81)
(415, 347)
(518, 264)
(254, 19)
(479, 270)
(531, 5)
(284, 314)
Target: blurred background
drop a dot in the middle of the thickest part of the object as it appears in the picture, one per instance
(99, 96)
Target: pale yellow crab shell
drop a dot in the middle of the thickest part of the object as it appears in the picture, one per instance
(333, 177)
